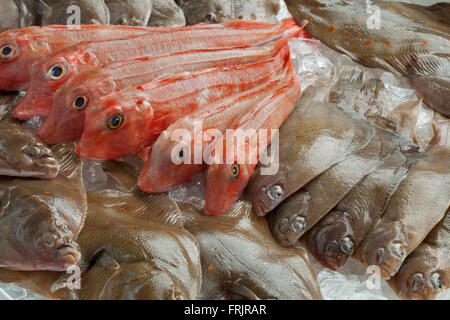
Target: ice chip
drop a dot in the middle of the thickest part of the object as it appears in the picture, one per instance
(33, 123)
(192, 191)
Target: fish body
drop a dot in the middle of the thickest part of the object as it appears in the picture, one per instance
(316, 136)
(299, 213)
(226, 181)
(17, 14)
(166, 13)
(133, 246)
(21, 153)
(60, 12)
(172, 162)
(419, 203)
(41, 219)
(129, 13)
(53, 71)
(26, 46)
(149, 109)
(338, 235)
(426, 271)
(410, 40)
(238, 252)
(66, 120)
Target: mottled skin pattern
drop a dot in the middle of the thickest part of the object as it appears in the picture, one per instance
(410, 41)
(426, 271)
(217, 11)
(166, 13)
(17, 14)
(239, 254)
(133, 247)
(290, 221)
(129, 12)
(339, 233)
(316, 136)
(91, 12)
(41, 219)
(21, 153)
(33, 43)
(419, 203)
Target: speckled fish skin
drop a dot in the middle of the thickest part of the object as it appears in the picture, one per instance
(419, 203)
(316, 136)
(426, 271)
(21, 153)
(91, 12)
(133, 247)
(290, 221)
(41, 219)
(17, 14)
(335, 238)
(89, 55)
(238, 251)
(410, 42)
(222, 187)
(149, 109)
(217, 11)
(160, 174)
(66, 122)
(166, 13)
(33, 43)
(129, 12)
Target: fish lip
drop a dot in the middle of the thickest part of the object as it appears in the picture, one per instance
(67, 256)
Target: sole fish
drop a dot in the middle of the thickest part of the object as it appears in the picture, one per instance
(166, 13)
(426, 271)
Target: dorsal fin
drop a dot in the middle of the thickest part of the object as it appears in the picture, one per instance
(406, 115)
(121, 171)
(154, 207)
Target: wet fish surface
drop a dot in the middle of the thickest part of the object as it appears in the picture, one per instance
(89, 12)
(129, 12)
(426, 271)
(412, 40)
(240, 259)
(17, 14)
(41, 219)
(316, 136)
(166, 13)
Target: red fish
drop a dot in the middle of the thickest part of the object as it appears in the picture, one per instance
(226, 182)
(19, 49)
(138, 115)
(66, 120)
(51, 72)
(172, 162)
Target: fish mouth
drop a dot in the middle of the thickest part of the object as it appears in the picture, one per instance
(65, 257)
(45, 167)
(288, 228)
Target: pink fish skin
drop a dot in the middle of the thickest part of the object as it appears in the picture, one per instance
(66, 120)
(160, 173)
(30, 44)
(51, 72)
(167, 100)
(226, 182)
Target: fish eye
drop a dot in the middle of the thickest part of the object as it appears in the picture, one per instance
(7, 52)
(79, 103)
(437, 280)
(235, 170)
(32, 151)
(181, 154)
(275, 192)
(57, 71)
(115, 121)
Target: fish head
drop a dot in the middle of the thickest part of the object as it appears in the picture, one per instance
(35, 235)
(384, 248)
(421, 279)
(268, 191)
(116, 125)
(67, 116)
(23, 155)
(171, 160)
(332, 242)
(225, 184)
(49, 74)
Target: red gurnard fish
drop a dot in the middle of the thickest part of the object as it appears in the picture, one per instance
(226, 181)
(19, 49)
(52, 72)
(66, 120)
(139, 115)
(179, 151)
